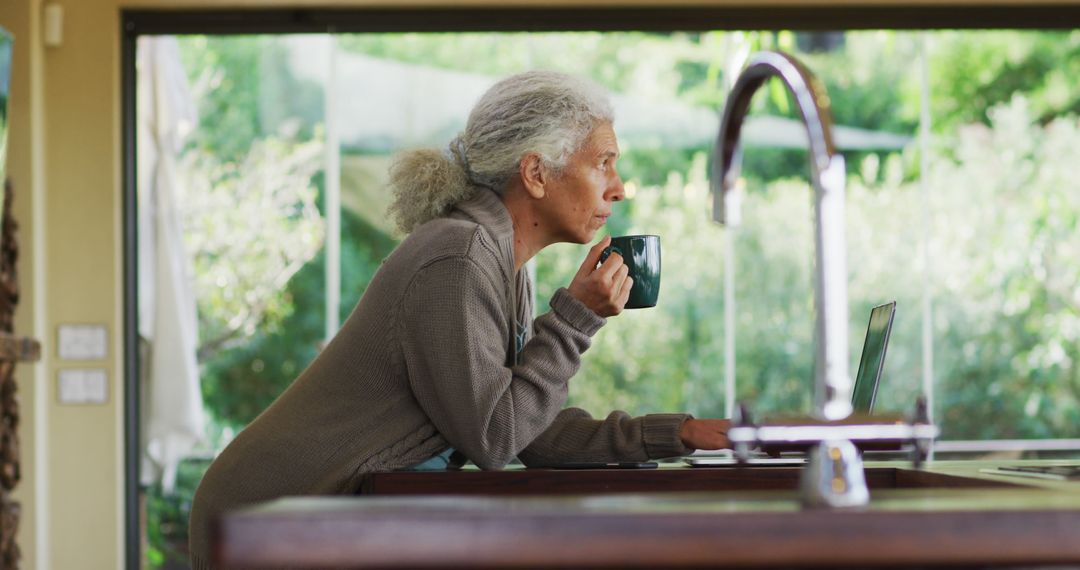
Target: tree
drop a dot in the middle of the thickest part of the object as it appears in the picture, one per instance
(230, 209)
(972, 73)
(1006, 240)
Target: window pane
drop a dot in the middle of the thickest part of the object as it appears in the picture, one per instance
(999, 212)
(1005, 233)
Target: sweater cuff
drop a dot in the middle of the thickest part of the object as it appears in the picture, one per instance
(661, 435)
(575, 312)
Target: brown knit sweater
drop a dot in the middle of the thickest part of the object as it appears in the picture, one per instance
(426, 362)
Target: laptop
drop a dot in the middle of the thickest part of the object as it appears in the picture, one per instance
(863, 395)
(872, 361)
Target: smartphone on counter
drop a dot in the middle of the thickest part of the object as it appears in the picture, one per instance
(602, 465)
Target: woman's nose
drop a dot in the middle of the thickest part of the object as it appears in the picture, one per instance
(616, 192)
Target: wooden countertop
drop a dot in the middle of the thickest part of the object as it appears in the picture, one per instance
(673, 478)
(947, 514)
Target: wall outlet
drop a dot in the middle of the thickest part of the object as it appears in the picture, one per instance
(82, 386)
(83, 342)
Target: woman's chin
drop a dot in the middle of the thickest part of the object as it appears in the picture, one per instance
(583, 236)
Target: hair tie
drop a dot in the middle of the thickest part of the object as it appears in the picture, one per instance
(457, 149)
(457, 153)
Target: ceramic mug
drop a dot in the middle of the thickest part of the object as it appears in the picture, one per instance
(641, 254)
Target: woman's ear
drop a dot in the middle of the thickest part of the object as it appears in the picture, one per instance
(533, 175)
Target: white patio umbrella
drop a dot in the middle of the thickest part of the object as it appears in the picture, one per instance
(389, 104)
(172, 411)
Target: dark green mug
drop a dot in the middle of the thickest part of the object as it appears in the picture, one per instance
(641, 254)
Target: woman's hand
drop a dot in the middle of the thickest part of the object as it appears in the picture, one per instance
(603, 289)
(705, 434)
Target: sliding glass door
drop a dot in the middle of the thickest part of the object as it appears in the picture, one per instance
(269, 198)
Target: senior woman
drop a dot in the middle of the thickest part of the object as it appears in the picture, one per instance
(442, 352)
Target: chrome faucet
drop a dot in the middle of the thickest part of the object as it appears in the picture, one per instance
(832, 393)
(834, 476)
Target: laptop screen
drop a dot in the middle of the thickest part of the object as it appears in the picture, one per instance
(873, 357)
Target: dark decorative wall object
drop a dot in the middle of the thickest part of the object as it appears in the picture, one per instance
(12, 350)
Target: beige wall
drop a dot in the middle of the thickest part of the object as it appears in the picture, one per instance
(65, 181)
(65, 162)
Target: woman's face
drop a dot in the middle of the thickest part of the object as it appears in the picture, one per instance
(582, 195)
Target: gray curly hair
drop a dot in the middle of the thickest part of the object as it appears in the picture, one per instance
(543, 112)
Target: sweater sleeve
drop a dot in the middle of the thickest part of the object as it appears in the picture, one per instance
(454, 337)
(575, 436)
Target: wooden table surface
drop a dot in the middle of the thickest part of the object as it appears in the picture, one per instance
(948, 514)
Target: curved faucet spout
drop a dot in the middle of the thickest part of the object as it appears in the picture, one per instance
(810, 97)
(832, 382)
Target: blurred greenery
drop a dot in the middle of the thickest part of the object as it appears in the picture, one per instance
(167, 516)
(1008, 326)
(1000, 222)
(248, 378)
(239, 281)
(972, 73)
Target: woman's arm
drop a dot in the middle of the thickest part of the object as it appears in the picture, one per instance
(575, 436)
(454, 339)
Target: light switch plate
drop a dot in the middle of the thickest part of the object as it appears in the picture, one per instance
(71, 388)
(83, 342)
(82, 386)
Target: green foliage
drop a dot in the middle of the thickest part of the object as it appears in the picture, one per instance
(239, 277)
(245, 92)
(1009, 323)
(627, 61)
(247, 171)
(167, 516)
(971, 73)
(242, 381)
